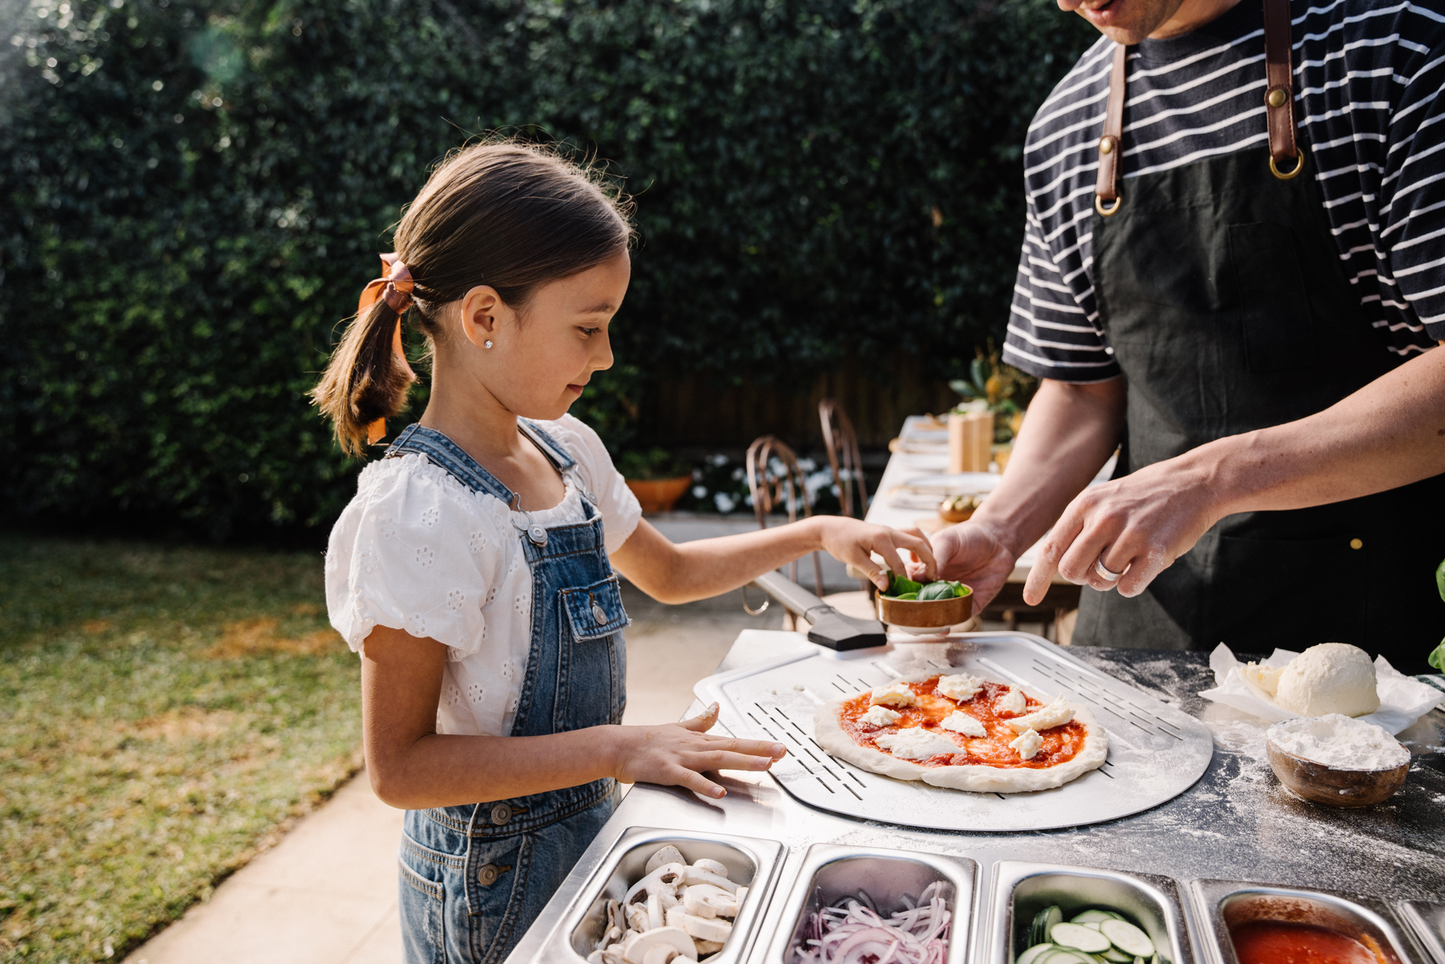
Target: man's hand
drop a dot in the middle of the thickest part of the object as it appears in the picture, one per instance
(972, 554)
(1136, 526)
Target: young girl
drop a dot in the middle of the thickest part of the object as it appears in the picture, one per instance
(474, 571)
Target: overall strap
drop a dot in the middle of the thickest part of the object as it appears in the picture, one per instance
(442, 451)
(1278, 109)
(550, 447)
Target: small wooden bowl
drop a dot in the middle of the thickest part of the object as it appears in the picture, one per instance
(955, 515)
(926, 613)
(1332, 786)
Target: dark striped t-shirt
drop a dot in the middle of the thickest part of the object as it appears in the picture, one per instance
(1367, 76)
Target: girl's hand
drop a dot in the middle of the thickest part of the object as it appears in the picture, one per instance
(854, 542)
(676, 754)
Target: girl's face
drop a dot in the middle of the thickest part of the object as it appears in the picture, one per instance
(542, 357)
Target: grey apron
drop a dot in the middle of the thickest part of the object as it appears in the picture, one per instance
(1221, 292)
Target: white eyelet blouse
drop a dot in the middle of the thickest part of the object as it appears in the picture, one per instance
(417, 550)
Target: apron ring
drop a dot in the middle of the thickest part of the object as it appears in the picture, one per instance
(1287, 175)
(1119, 199)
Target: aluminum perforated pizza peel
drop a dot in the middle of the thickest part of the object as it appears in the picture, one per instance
(1155, 751)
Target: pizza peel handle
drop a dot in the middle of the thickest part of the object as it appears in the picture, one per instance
(829, 627)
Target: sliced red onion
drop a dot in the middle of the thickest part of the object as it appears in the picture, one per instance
(853, 932)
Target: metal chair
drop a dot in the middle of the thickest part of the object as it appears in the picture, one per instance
(774, 479)
(843, 455)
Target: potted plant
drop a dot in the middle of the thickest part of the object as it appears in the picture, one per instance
(655, 476)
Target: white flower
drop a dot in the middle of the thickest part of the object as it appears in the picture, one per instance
(724, 502)
(699, 491)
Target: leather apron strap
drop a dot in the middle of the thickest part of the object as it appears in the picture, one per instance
(1278, 110)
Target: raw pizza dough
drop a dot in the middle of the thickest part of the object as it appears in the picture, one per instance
(978, 778)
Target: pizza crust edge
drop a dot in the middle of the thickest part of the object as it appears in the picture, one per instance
(973, 778)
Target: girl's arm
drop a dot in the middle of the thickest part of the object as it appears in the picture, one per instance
(411, 766)
(679, 573)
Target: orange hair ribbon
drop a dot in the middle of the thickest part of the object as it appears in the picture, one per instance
(394, 287)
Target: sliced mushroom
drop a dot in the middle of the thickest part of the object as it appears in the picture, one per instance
(667, 855)
(661, 954)
(595, 957)
(655, 916)
(709, 900)
(706, 947)
(664, 878)
(637, 918)
(741, 896)
(699, 927)
(713, 866)
(637, 946)
(697, 875)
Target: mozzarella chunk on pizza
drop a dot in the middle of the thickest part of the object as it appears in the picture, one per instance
(879, 716)
(894, 694)
(963, 723)
(960, 687)
(1012, 702)
(1055, 714)
(1027, 744)
(916, 743)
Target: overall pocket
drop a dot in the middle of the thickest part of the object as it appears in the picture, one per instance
(592, 680)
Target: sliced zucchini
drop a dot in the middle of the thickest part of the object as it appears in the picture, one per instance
(1127, 938)
(1091, 916)
(1033, 953)
(1080, 938)
(1117, 956)
(1044, 920)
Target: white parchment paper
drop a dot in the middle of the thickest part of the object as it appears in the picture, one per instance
(1402, 699)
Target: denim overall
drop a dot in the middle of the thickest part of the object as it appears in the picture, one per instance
(474, 877)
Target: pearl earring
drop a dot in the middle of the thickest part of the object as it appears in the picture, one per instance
(487, 343)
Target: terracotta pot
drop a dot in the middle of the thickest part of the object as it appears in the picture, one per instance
(659, 495)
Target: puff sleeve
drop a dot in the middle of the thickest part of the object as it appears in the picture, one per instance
(414, 551)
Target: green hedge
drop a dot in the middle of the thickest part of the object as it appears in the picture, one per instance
(192, 194)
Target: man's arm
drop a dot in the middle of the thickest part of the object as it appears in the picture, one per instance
(1069, 433)
(1388, 434)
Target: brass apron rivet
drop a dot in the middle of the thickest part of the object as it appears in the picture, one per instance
(1276, 97)
(1106, 145)
(1356, 544)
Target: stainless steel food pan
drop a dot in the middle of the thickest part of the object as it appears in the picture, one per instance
(751, 861)
(830, 872)
(1021, 890)
(1427, 921)
(1229, 903)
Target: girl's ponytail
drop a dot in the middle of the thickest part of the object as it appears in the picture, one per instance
(368, 377)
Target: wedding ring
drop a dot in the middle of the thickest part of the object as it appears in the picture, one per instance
(1104, 572)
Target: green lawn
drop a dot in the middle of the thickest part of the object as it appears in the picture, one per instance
(164, 712)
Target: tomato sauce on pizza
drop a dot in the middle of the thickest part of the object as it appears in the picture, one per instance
(1060, 743)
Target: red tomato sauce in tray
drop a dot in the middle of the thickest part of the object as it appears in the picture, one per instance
(1281, 942)
(1060, 744)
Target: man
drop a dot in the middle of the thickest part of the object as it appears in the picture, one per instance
(1259, 344)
